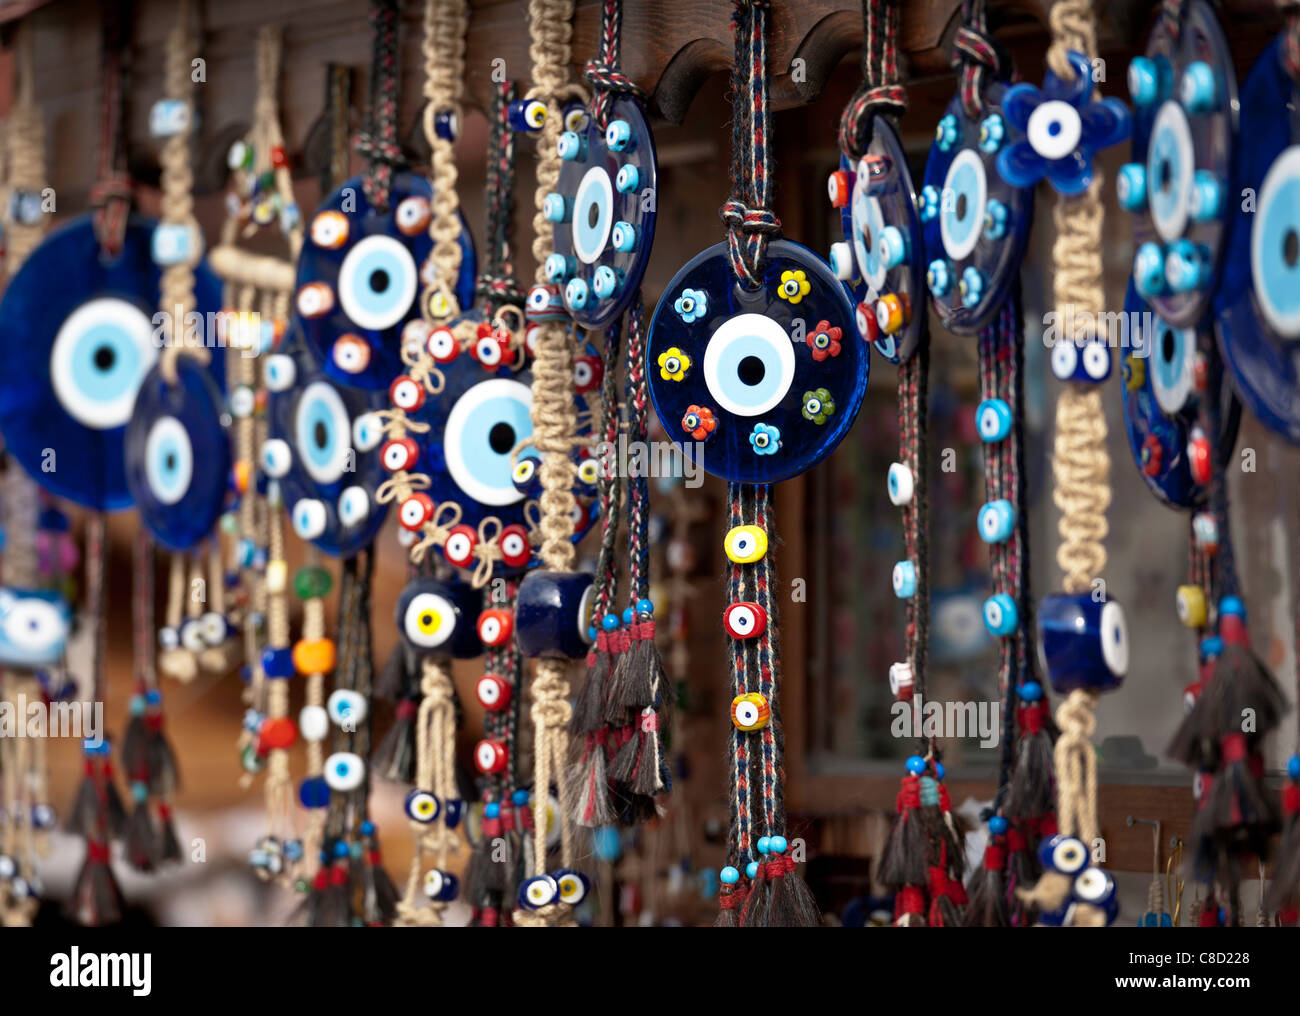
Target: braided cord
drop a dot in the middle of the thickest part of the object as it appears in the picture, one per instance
(497, 284)
(378, 142)
(880, 93)
(605, 74)
(739, 845)
(750, 221)
(111, 194)
(446, 23)
(978, 58)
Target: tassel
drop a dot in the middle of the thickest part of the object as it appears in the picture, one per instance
(96, 898)
(589, 784)
(643, 669)
(379, 895)
(1031, 792)
(142, 847)
(588, 707)
(170, 849)
(988, 907)
(135, 737)
(484, 875)
(614, 711)
(1285, 885)
(790, 902)
(754, 913)
(116, 810)
(334, 907)
(164, 779)
(1235, 814)
(394, 679)
(88, 814)
(731, 900)
(903, 861)
(622, 768)
(394, 758)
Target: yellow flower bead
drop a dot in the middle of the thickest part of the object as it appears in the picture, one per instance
(794, 285)
(673, 364)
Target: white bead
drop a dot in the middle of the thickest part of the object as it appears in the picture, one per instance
(900, 677)
(313, 723)
(277, 575)
(901, 484)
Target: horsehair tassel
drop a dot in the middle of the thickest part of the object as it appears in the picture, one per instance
(177, 298)
(554, 426)
(1081, 471)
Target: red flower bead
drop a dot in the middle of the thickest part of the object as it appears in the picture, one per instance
(824, 340)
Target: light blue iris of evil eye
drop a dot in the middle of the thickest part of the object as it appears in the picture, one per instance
(865, 241)
(377, 282)
(751, 374)
(959, 210)
(481, 433)
(169, 460)
(1165, 172)
(592, 214)
(105, 362)
(322, 432)
(1275, 245)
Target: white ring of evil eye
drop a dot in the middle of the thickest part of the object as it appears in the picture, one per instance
(749, 328)
(324, 395)
(1265, 263)
(573, 888)
(1172, 366)
(541, 891)
(122, 319)
(429, 621)
(459, 548)
(1169, 213)
(1054, 129)
(367, 432)
(344, 771)
(967, 158)
(1096, 360)
(1069, 856)
(214, 627)
(354, 506)
(168, 436)
(346, 707)
(746, 713)
(396, 304)
(593, 191)
(279, 372)
(192, 635)
(1114, 638)
(1065, 357)
(461, 417)
(1093, 886)
(309, 518)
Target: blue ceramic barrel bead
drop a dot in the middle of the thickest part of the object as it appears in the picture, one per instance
(552, 611)
(439, 617)
(1084, 642)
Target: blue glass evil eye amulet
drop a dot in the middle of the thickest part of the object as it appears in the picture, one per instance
(78, 337)
(361, 274)
(757, 386)
(603, 208)
(973, 222)
(1257, 307)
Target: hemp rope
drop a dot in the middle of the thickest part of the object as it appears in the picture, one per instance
(25, 153)
(1080, 463)
(555, 422)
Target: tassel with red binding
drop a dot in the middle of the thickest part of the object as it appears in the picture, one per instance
(988, 905)
(96, 898)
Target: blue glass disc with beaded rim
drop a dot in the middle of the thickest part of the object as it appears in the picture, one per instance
(1160, 399)
(178, 455)
(361, 274)
(883, 233)
(479, 425)
(973, 222)
(1257, 306)
(77, 336)
(1178, 184)
(756, 386)
(323, 450)
(604, 208)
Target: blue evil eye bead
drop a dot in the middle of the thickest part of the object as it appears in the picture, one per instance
(1184, 125)
(1088, 363)
(169, 117)
(559, 268)
(346, 708)
(993, 420)
(571, 145)
(344, 771)
(882, 231)
(993, 132)
(998, 825)
(545, 303)
(557, 208)
(900, 483)
(34, 627)
(1066, 855)
(1257, 304)
(175, 244)
(178, 455)
(904, 580)
(526, 115)
(1000, 614)
(961, 181)
(1096, 888)
(841, 261)
(358, 281)
(573, 886)
(435, 616)
(314, 792)
(1187, 266)
(996, 521)
(1149, 270)
(441, 886)
(551, 613)
(1064, 128)
(25, 207)
(446, 125)
(537, 892)
(607, 187)
(753, 356)
(1083, 642)
(1131, 186)
(77, 344)
(422, 806)
(945, 132)
(326, 478)
(576, 293)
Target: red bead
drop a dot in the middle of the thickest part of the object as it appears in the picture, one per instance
(868, 326)
(495, 626)
(459, 546)
(490, 757)
(406, 393)
(1152, 454)
(516, 551)
(277, 733)
(1198, 456)
(493, 692)
(415, 511)
(278, 157)
(837, 187)
(588, 372)
(399, 454)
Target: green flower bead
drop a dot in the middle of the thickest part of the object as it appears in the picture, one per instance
(818, 405)
(311, 581)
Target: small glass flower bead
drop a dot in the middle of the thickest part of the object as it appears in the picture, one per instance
(929, 202)
(1064, 128)
(692, 305)
(971, 286)
(765, 439)
(938, 277)
(945, 134)
(673, 364)
(818, 405)
(699, 422)
(824, 340)
(794, 285)
(992, 133)
(995, 219)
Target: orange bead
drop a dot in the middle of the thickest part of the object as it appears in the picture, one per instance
(242, 471)
(314, 656)
(279, 732)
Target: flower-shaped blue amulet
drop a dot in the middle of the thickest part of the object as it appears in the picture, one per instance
(1064, 128)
